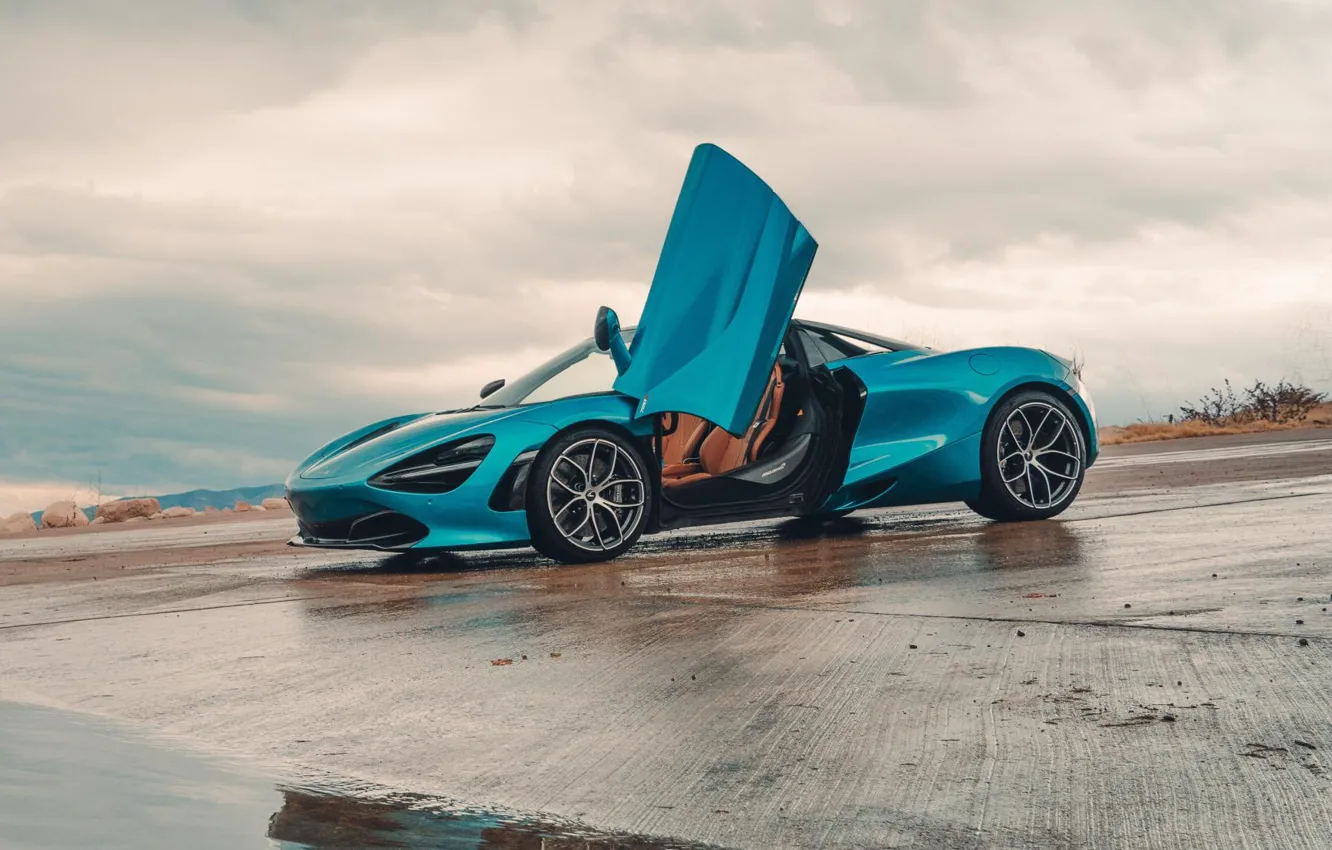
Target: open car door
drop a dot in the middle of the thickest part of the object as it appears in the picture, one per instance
(734, 262)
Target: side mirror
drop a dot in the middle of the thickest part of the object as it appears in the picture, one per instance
(491, 387)
(601, 328)
(606, 335)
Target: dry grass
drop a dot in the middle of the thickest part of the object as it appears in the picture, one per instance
(1143, 432)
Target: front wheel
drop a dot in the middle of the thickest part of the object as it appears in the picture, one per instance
(588, 496)
(1033, 459)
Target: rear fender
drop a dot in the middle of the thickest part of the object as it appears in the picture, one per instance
(918, 405)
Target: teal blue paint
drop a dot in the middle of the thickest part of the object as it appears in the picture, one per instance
(732, 267)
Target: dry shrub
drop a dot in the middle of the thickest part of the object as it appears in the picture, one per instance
(1218, 407)
(1142, 432)
(1280, 404)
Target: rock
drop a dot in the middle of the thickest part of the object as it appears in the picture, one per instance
(210, 510)
(157, 515)
(124, 510)
(99, 520)
(275, 505)
(242, 507)
(136, 519)
(178, 512)
(258, 508)
(63, 515)
(19, 523)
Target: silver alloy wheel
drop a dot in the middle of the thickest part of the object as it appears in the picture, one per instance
(591, 507)
(1040, 455)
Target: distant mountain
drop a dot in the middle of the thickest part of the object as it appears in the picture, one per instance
(200, 499)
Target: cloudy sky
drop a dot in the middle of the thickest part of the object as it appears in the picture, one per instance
(230, 231)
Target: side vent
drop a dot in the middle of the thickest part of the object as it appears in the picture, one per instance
(511, 492)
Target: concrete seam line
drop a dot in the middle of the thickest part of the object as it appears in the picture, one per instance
(1200, 507)
(169, 611)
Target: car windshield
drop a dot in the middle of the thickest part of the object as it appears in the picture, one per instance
(581, 370)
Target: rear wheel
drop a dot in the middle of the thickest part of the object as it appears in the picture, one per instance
(1033, 459)
(589, 496)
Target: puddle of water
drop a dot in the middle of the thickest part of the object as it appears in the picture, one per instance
(71, 780)
(316, 819)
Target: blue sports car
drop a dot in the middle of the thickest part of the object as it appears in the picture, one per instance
(717, 407)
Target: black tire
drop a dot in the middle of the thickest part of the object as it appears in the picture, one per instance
(1050, 479)
(556, 506)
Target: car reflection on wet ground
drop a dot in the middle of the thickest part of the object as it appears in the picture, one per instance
(323, 820)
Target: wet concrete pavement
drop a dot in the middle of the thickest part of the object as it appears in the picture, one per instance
(1130, 675)
(71, 780)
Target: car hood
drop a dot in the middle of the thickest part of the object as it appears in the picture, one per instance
(373, 447)
(730, 271)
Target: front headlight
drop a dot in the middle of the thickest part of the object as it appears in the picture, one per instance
(437, 470)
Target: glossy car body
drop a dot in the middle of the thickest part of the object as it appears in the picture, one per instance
(885, 423)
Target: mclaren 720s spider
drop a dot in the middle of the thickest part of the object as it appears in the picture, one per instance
(718, 406)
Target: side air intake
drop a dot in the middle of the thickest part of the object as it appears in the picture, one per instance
(380, 530)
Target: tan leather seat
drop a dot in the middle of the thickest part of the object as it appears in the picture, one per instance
(721, 452)
(686, 435)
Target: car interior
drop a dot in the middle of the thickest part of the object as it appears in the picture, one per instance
(780, 460)
(701, 450)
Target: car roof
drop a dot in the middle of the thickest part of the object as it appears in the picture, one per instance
(886, 342)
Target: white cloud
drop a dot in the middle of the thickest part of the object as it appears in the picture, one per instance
(31, 496)
(245, 228)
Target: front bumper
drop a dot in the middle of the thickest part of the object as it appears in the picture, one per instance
(357, 516)
(346, 512)
(387, 531)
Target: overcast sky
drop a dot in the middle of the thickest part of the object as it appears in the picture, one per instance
(230, 231)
